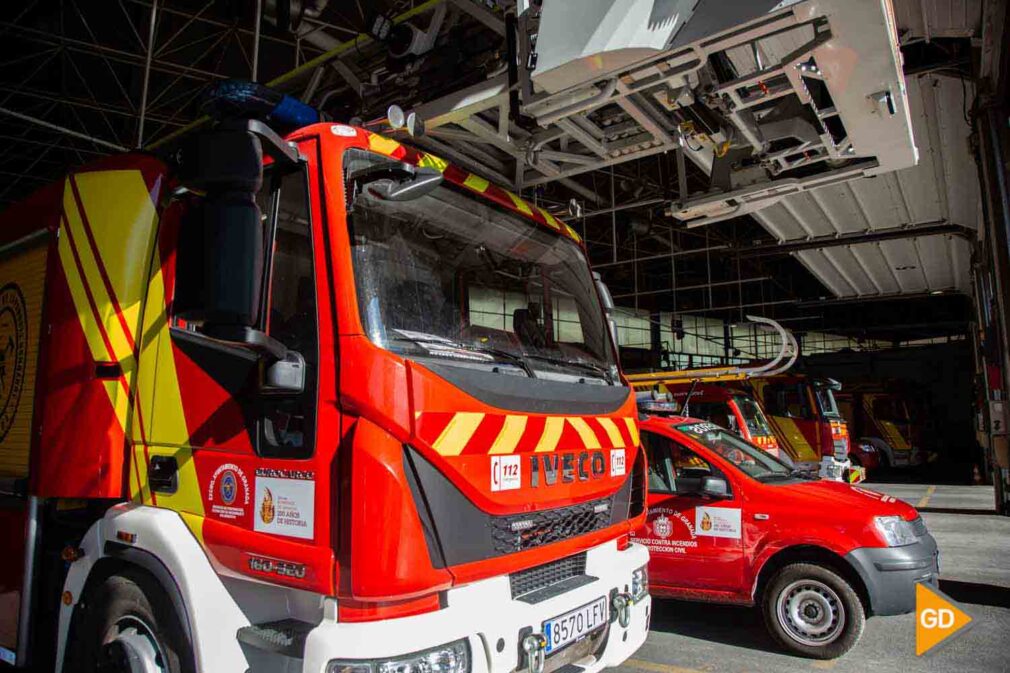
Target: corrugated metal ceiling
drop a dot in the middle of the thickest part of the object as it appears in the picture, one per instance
(943, 187)
(937, 18)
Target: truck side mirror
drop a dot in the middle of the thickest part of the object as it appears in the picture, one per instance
(220, 259)
(714, 487)
(221, 250)
(286, 376)
(608, 305)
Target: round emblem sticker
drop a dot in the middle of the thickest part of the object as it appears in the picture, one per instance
(13, 353)
(229, 487)
(662, 527)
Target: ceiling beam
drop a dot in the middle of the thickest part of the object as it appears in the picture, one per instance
(939, 227)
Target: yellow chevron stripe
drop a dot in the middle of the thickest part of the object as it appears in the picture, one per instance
(162, 400)
(632, 429)
(616, 440)
(122, 217)
(92, 334)
(133, 484)
(520, 204)
(92, 277)
(457, 433)
(381, 144)
(553, 427)
(586, 434)
(195, 525)
(431, 161)
(476, 183)
(510, 434)
(143, 493)
(574, 234)
(550, 219)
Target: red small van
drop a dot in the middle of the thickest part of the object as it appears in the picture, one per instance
(729, 523)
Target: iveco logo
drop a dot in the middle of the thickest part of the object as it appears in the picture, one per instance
(581, 466)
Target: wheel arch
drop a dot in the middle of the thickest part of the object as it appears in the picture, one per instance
(815, 554)
(119, 558)
(165, 549)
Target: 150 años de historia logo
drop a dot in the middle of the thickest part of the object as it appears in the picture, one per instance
(13, 352)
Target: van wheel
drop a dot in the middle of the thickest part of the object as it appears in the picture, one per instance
(812, 611)
(130, 625)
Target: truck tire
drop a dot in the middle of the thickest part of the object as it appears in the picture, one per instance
(812, 611)
(128, 617)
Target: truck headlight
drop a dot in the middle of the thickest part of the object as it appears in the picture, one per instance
(451, 658)
(896, 531)
(640, 583)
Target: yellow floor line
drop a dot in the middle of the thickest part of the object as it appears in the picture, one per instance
(656, 667)
(826, 665)
(924, 500)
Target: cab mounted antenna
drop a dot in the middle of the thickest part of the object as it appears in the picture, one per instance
(687, 400)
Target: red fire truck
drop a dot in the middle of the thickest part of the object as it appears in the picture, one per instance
(258, 415)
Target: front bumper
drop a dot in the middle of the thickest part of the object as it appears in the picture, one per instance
(493, 622)
(891, 573)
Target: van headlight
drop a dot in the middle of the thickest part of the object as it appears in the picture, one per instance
(640, 583)
(451, 658)
(896, 531)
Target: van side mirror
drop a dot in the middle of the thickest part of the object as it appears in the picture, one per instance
(714, 487)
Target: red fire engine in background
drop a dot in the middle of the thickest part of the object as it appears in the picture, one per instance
(265, 419)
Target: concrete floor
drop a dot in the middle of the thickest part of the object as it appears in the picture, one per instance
(975, 572)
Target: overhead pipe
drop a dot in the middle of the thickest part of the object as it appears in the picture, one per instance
(337, 51)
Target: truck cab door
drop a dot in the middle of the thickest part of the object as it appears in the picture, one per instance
(695, 541)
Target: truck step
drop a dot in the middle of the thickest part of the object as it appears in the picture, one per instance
(285, 636)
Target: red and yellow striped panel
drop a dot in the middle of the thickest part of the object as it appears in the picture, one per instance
(474, 183)
(466, 433)
(106, 236)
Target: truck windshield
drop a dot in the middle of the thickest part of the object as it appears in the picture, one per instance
(448, 276)
(752, 416)
(890, 409)
(749, 459)
(826, 402)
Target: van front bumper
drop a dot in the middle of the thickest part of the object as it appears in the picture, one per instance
(494, 624)
(891, 573)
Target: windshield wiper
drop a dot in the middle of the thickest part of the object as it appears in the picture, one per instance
(448, 343)
(578, 364)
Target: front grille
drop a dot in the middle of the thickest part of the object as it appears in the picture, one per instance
(637, 505)
(510, 534)
(534, 579)
(919, 526)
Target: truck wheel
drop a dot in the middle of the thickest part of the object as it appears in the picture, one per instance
(129, 625)
(812, 611)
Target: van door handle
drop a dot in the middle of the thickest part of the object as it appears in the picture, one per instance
(761, 517)
(163, 474)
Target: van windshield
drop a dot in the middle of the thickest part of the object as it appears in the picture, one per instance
(450, 277)
(749, 459)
